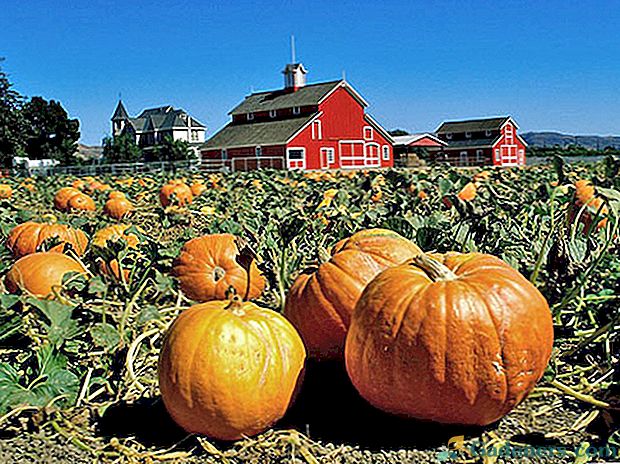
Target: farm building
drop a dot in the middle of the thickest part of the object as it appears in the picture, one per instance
(409, 148)
(316, 126)
(152, 125)
(479, 142)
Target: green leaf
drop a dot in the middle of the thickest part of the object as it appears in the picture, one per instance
(96, 285)
(148, 313)
(105, 335)
(577, 249)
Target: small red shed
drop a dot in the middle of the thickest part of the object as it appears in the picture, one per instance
(316, 126)
(480, 142)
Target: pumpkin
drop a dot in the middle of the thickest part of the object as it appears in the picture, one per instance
(117, 208)
(6, 191)
(70, 198)
(27, 237)
(454, 338)
(585, 195)
(229, 369)
(114, 233)
(116, 195)
(198, 188)
(321, 300)
(177, 193)
(468, 193)
(40, 273)
(208, 266)
(78, 184)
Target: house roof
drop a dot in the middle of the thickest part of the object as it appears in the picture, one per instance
(120, 112)
(308, 95)
(258, 133)
(163, 118)
(472, 125)
(412, 138)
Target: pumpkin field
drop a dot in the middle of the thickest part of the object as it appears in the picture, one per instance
(390, 316)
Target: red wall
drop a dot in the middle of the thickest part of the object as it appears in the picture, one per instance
(342, 119)
(425, 142)
(502, 145)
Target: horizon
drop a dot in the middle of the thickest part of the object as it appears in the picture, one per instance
(548, 66)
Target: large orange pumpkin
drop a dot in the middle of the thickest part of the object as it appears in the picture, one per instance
(25, 238)
(6, 191)
(40, 273)
(208, 266)
(229, 369)
(454, 338)
(114, 233)
(321, 300)
(117, 208)
(68, 198)
(585, 194)
(175, 193)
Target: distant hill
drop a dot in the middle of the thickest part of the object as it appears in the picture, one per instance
(550, 139)
(87, 152)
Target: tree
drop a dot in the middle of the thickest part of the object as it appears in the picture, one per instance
(121, 149)
(173, 150)
(397, 132)
(12, 125)
(50, 132)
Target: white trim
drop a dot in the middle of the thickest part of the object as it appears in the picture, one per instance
(372, 133)
(303, 160)
(330, 155)
(350, 89)
(273, 113)
(317, 130)
(352, 158)
(385, 149)
(372, 162)
(302, 128)
(296, 110)
(488, 132)
(378, 127)
(249, 116)
(468, 135)
(449, 135)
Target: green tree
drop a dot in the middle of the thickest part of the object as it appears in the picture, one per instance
(12, 125)
(121, 149)
(50, 132)
(172, 150)
(397, 132)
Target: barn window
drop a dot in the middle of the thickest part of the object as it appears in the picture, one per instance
(296, 158)
(224, 154)
(468, 135)
(479, 157)
(449, 135)
(497, 154)
(487, 133)
(296, 110)
(317, 131)
(250, 116)
(463, 158)
(367, 133)
(259, 151)
(273, 113)
(386, 153)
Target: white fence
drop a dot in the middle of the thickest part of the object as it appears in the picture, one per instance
(230, 165)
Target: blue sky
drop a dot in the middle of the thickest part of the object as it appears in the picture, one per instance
(553, 65)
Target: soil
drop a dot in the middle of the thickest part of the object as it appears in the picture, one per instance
(328, 423)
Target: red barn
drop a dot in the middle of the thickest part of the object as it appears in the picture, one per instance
(480, 142)
(408, 148)
(316, 126)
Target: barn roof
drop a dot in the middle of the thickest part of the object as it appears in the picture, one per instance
(308, 95)
(258, 133)
(472, 125)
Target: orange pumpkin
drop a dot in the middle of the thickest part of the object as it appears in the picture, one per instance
(26, 238)
(321, 300)
(68, 198)
(40, 273)
(207, 266)
(117, 208)
(468, 193)
(114, 233)
(177, 193)
(229, 369)
(116, 195)
(454, 338)
(198, 188)
(6, 191)
(585, 195)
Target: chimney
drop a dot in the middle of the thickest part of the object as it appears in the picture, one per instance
(294, 76)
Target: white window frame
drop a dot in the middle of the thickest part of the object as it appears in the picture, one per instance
(250, 116)
(497, 155)
(273, 113)
(352, 159)
(296, 110)
(317, 130)
(468, 135)
(224, 154)
(330, 154)
(385, 153)
(303, 160)
(449, 135)
(368, 128)
(479, 155)
(464, 152)
(258, 151)
(487, 133)
(367, 160)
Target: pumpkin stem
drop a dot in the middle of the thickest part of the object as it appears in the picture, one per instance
(235, 305)
(436, 270)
